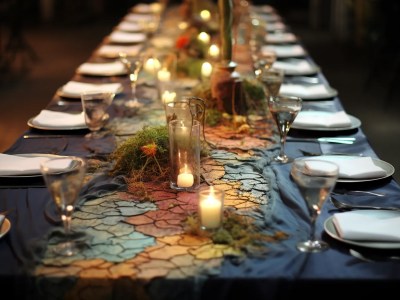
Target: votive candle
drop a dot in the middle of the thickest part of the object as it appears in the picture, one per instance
(164, 75)
(185, 178)
(204, 37)
(211, 207)
(206, 69)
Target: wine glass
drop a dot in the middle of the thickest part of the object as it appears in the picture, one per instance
(64, 177)
(263, 60)
(272, 80)
(284, 110)
(133, 65)
(315, 180)
(95, 105)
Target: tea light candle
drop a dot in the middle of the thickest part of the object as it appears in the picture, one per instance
(152, 65)
(205, 15)
(206, 70)
(164, 75)
(185, 179)
(210, 208)
(204, 37)
(213, 51)
(168, 97)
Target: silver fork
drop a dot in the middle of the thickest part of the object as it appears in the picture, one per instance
(346, 206)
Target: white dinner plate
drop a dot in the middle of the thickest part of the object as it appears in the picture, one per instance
(355, 123)
(388, 168)
(5, 227)
(43, 127)
(31, 155)
(331, 231)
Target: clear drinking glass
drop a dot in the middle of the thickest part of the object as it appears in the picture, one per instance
(315, 180)
(64, 177)
(284, 110)
(95, 105)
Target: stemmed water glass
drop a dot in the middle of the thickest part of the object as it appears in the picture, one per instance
(95, 105)
(284, 110)
(315, 180)
(133, 65)
(64, 177)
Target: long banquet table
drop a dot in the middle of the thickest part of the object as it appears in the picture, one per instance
(139, 249)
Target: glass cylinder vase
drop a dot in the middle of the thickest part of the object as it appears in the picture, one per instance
(184, 146)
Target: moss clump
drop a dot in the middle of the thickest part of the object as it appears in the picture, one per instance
(144, 156)
(237, 231)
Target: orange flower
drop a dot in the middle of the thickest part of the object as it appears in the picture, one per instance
(182, 42)
(149, 149)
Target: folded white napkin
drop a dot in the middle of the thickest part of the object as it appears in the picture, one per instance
(304, 90)
(271, 17)
(283, 37)
(19, 165)
(300, 65)
(127, 37)
(368, 225)
(133, 17)
(76, 88)
(56, 119)
(273, 26)
(102, 69)
(142, 8)
(285, 50)
(322, 119)
(129, 26)
(112, 51)
(354, 167)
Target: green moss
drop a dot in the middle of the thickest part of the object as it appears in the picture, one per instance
(237, 231)
(129, 156)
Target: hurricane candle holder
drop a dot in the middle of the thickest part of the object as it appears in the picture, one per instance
(184, 143)
(210, 209)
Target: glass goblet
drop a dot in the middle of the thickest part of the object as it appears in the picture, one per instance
(263, 60)
(272, 80)
(284, 110)
(63, 177)
(315, 180)
(95, 105)
(133, 65)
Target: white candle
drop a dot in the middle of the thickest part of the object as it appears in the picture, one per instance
(164, 75)
(185, 178)
(210, 212)
(213, 51)
(152, 65)
(204, 37)
(168, 97)
(206, 69)
(205, 15)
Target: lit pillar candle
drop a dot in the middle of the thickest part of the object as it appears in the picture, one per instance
(206, 70)
(213, 51)
(185, 178)
(204, 37)
(210, 208)
(164, 75)
(168, 97)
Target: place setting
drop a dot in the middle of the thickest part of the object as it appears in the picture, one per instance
(307, 90)
(373, 226)
(74, 89)
(286, 51)
(296, 67)
(114, 68)
(318, 120)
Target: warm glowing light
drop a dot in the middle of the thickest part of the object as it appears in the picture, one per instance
(204, 37)
(205, 15)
